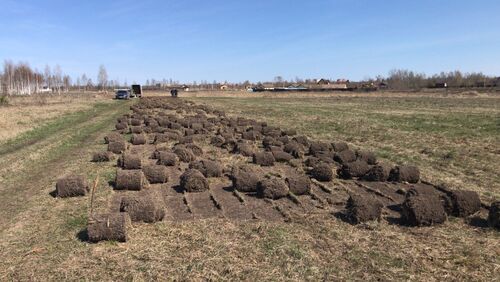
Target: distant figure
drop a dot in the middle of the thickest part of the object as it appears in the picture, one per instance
(173, 93)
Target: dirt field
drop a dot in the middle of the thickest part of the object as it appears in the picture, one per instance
(453, 140)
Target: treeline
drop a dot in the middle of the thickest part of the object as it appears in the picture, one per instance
(409, 80)
(20, 79)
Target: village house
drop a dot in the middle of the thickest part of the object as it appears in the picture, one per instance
(327, 84)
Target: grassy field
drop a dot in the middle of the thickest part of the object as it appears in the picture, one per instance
(453, 140)
(22, 113)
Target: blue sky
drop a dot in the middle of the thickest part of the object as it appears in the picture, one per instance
(256, 40)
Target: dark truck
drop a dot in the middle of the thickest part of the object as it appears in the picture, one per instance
(136, 90)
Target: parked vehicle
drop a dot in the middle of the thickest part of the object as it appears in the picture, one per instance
(122, 94)
(136, 91)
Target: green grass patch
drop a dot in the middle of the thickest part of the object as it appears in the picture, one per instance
(278, 242)
(4, 100)
(76, 222)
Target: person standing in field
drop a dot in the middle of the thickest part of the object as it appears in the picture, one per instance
(173, 93)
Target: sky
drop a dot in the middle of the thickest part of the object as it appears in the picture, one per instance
(256, 40)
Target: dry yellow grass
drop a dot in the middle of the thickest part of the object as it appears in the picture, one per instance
(39, 235)
(452, 139)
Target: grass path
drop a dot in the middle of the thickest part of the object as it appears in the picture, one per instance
(44, 151)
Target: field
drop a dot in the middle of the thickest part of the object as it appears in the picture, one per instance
(453, 140)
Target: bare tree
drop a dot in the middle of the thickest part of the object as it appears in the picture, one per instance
(89, 84)
(278, 81)
(57, 77)
(47, 76)
(66, 83)
(84, 81)
(102, 77)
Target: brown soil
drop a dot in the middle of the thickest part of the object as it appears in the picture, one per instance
(410, 174)
(71, 186)
(246, 178)
(270, 141)
(317, 146)
(378, 172)
(366, 156)
(281, 156)
(113, 137)
(130, 161)
(207, 167)
(138, 139)
(299, 184)
(110, 226)
(464, 203)
(135, 122)
(102, 157)
(184, 154)
(251, 135)
(136, 129)
(217, 141)
(155, 174)
(363, 208)
(117, 147)
(340, 146)
(345, 156)
(168, 159)
(166, 137)
(244, 149)
(121, 126)
(263, 158)
(197, 150)
(143, 206)
(272, 188)
(129, 180)
(192, 180)
(277, 173)
(494, 215)
(322, 172)
(303, 140)
(294, 149)
(423, 210)
(354, 169)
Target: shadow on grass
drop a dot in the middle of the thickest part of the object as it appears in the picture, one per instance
(53, 194)
(83, 236)
(478, 221)
(396, 221)
(344, 216)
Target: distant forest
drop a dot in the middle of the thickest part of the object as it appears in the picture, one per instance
(21, 79)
